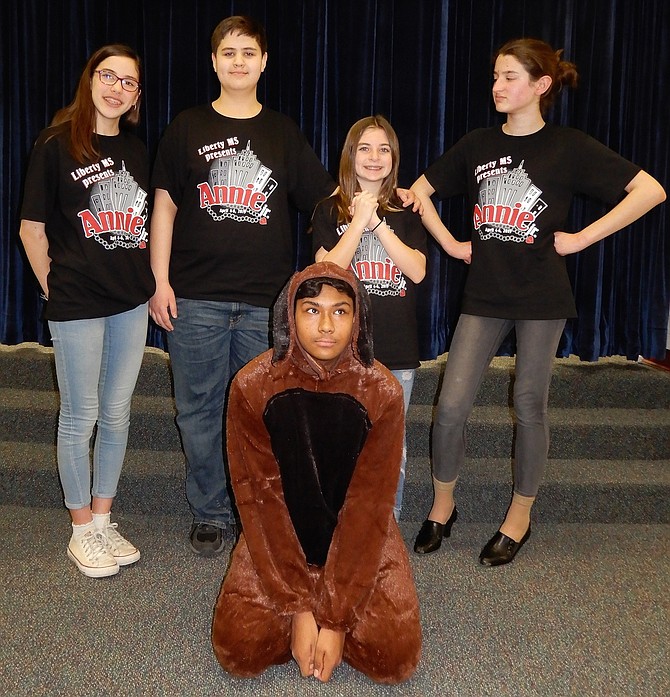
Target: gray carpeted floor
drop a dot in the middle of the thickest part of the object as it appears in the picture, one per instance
(582, 611)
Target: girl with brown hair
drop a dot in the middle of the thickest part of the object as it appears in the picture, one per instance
(364, 226)
(520, 179)
(84, 229)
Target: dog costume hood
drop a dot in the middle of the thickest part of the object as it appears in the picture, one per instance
(283, 330)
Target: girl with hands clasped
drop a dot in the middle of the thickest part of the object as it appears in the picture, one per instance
(520, 179)
(363, 225)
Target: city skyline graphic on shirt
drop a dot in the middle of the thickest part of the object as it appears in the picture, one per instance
(374, 267)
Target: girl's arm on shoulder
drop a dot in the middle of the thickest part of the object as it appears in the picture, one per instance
(643, 192)
(433, 223)
(409, 198)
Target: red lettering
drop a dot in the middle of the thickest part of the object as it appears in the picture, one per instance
(477, 217)
(505, 215)
(377, 269)
(515, 214)
(502, 214)
(235, 195)
(206, 195)
(111, 221)
(90, 223)
(524, 219)
(362, 270)
(106, 220)
(136, 225)
(257, 201)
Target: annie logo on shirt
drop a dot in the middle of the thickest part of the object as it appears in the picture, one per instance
(116, 215)
(508, 205)
(238, 187)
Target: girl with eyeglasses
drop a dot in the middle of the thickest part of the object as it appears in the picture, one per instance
(84, 229)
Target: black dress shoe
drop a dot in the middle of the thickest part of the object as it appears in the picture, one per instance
(501, 549)
(430, 536)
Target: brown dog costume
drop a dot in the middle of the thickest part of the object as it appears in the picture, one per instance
(314, 460)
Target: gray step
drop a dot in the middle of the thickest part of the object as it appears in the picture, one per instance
(606, 383)
(575, 433)
(597, 491)
(609, 382)
(607, 464)
(31, 367)
(32, 415)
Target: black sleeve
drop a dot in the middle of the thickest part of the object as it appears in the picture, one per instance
(324, 227)
(169, 168)
(310, 182)
(448, 174)
(415, 233)
(41, 184)
(598, 171)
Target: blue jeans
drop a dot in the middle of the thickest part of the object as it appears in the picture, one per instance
(97, 363)
(210, 342)
(406, 380)
(475, 343)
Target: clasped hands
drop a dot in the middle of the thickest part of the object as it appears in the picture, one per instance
(317, 650)
(363, 209)
(366, 204)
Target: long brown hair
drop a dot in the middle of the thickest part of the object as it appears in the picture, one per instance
(539, 58)
(79, 115)
(348, 183)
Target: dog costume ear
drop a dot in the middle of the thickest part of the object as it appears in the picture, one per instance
(281, 330)
(364, 344)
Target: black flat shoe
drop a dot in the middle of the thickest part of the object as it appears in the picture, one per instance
(430, 536)
(501, 549)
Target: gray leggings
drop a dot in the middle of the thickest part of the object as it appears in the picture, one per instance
(474, 345)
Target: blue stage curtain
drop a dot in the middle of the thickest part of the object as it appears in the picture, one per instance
(426, 66)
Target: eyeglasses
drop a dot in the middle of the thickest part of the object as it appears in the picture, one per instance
(109, 78)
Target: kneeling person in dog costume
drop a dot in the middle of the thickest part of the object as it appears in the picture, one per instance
(315, 437)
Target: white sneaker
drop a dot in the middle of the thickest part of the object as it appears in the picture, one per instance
(89, 552)
(124, 552)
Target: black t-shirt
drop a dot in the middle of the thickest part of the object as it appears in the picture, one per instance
(232, 181)
(96, 224)
(392, 294)
(520, 189)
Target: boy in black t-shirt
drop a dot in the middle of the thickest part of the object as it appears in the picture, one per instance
(221, 249)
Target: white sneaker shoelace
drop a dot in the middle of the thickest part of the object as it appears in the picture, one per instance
(123, 551)
(95, 550)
